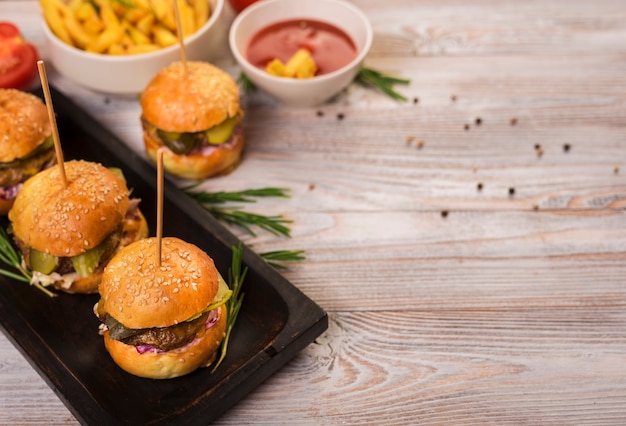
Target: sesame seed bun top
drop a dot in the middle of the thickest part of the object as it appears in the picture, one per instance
(68, 220)
(190, 99)
(139, 293)
(24, 124)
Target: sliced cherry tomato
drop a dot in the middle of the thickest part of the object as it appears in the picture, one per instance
(18, 58)
(8, 30)
(240, 5)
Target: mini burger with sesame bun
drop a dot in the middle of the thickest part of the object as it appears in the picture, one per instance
(26, 144)
(193, 110)
(164, 320)
(68, 230)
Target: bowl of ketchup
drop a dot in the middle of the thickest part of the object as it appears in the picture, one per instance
(301, 53)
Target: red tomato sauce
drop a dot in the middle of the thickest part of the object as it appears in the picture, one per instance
(330, 47)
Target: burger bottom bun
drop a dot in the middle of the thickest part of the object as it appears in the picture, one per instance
(83, 285)
(5, 206)
(198, 166)
(201, 352)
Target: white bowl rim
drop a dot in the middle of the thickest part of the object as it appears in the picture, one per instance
(369, 36)
(215, 15)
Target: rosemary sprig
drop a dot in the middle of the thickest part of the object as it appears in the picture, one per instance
(236, 277)
(233, 216)
(13, 259)
(365, 76)
(384, 83)
(236, 216)
(246, 84)
(278, 257)
(245, 196)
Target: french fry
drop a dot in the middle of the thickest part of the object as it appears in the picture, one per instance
(121, 27)
(108, 15)
(135, 14)
(164, 13)
(60, 6)
(85, 11)
(106, 39)
(146, 24)
(116, 49)
(187, 18)
(53, 17)
(203, 12)
(93, 26)
(136, 36)
(301, 65)
(142, 4)
(75, 4)
(163, 36)
(276, 68)
(118, 8)
(78, 34)
(141, 48)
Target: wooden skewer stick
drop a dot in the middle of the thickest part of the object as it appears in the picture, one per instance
(53, 122)
(159, 227)
(181, 39)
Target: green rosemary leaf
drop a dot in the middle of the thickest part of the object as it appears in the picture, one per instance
(245, 196)
(13, 259)
(384, 83)
(246, 84)
(236, 277)
(13, 275)
(278, 257)
(245, 220)
(238, 217)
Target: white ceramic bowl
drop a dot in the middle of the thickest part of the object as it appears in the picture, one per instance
(129, 75)
(316, 90)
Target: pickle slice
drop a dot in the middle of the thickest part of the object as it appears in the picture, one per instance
(48, 143)
(85, 263)
(42, 262)
(179, 143)
(222, 296)
(222, 132)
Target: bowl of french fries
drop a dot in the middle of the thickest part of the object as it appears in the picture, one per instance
(117, 46)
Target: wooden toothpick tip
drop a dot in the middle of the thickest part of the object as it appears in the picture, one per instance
(51, 116)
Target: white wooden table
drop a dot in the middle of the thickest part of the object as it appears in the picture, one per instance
(478, 276)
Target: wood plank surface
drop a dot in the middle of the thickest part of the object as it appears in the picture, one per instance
(477, 276)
